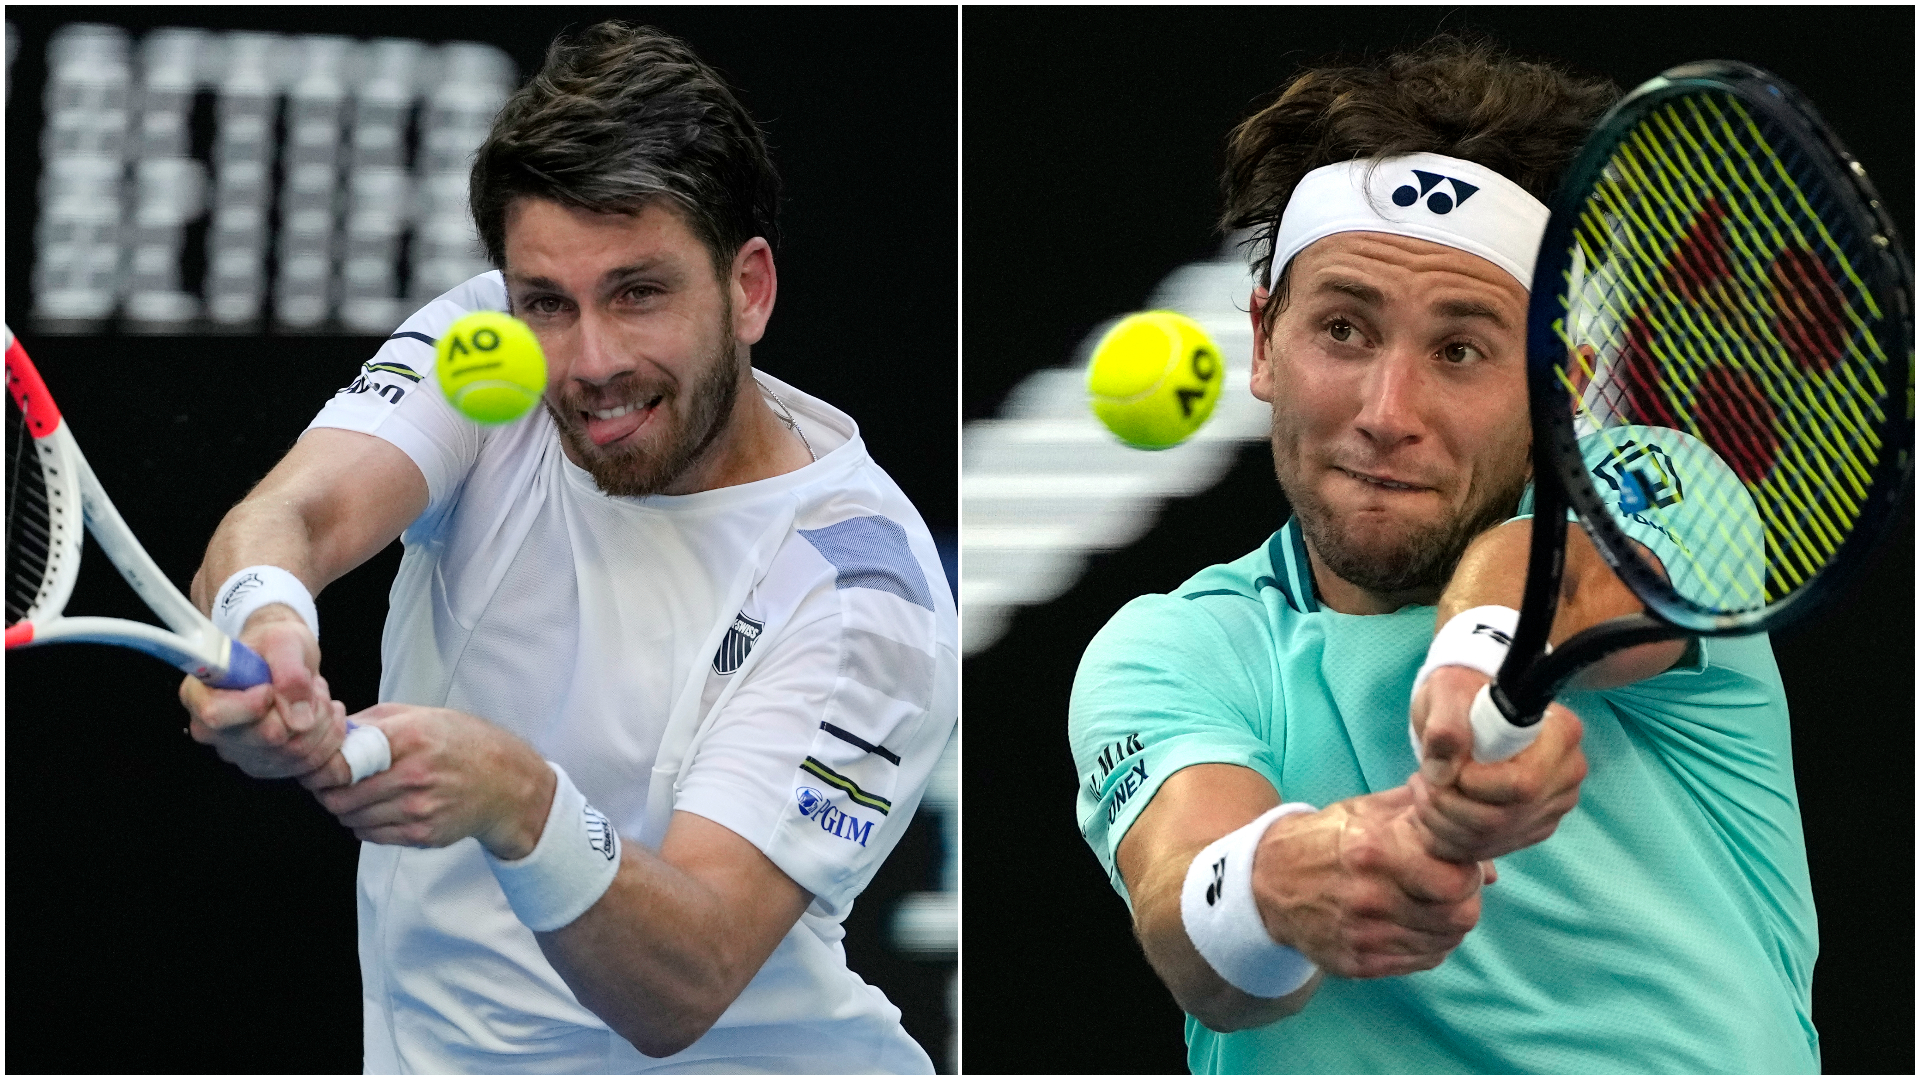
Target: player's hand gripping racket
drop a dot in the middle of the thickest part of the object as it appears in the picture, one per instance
(1717, 266)
(51, 492)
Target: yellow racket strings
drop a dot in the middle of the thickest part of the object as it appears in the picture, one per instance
(1709, 295)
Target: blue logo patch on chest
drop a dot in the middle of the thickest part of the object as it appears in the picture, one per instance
(737, 644)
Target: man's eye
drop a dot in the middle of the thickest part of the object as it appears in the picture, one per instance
(1341, 329)
(1458, 353)
(543, 305)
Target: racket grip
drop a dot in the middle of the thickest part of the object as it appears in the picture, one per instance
(244, 668)
(366, 750)
(1496, 738)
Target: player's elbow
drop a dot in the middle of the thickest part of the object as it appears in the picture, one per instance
(661, 1024)
(1632, 664)
(662, 1032)
(661, 1044)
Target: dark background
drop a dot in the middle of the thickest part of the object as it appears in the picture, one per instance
(1093, 142)
(166, 913)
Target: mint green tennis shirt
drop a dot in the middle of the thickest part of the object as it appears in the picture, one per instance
(1667, 926)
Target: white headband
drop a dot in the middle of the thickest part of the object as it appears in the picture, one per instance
(1427, 196)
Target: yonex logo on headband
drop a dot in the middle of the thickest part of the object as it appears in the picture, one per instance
(1439, 202)
(1424, 196)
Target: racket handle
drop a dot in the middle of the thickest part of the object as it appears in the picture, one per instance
(366, 750)
(244, 668)
(1496, 738)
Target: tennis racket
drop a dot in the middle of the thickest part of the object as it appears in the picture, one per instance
(1720, 316)
(52, 496)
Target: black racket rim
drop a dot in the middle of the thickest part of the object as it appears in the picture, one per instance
(1557, 458)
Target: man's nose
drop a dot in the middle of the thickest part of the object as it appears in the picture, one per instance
(1392, 400)
(597, 358)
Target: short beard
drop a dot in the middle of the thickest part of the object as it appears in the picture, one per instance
(643, 470)
(1421, 561)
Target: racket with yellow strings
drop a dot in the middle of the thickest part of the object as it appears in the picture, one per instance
(1720, 316)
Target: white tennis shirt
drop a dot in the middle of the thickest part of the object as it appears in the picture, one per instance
(779, 657)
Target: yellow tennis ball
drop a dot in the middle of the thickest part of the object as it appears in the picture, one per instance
(490, 367)
(1154, 379)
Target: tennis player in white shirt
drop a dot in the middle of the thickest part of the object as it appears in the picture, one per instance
(667, 663)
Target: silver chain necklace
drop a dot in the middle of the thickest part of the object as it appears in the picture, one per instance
(786, 417)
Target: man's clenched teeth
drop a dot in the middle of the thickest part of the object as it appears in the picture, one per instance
(1381, 482)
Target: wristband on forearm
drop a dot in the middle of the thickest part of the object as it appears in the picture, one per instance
(569, 869)
(1223, 921)
(1477, 638)
(249, 590)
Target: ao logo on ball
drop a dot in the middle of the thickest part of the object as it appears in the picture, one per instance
(490, 366)
(1154, 379)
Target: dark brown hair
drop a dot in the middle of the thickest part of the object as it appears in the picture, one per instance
(1465, 98)
(618, 117)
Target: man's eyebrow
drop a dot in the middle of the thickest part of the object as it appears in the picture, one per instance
(534, 281)
(613, 276)
(1359, 290)
(620, 273)
(1469, 309)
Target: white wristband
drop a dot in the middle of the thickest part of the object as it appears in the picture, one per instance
(1223, 922)
(1476, 638)
(568, 869)
(249, 590)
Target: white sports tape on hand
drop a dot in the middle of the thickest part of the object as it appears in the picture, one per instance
(366, 750)
(249, 590)
(1223, 921)
(569, 869)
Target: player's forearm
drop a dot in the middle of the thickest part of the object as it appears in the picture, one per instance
(1195, 807)
(1494, 571)
(334, 501)
(658, 957)
(257, 531)
(1198, 989)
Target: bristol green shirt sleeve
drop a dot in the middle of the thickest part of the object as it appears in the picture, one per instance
(1161, 687)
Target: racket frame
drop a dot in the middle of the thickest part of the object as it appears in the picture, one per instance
(1529, 680)
(78, 505)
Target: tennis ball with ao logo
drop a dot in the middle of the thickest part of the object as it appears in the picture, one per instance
(1154, 379)
(490, 367)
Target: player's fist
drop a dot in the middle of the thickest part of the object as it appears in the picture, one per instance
(288, 727)
(1471, 810)
(1354, 890)
(453, 775)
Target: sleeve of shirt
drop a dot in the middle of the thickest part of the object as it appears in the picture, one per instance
(1717, 722)
(821, 756)
(395, 397)
(1672, 493)
(1161, 687)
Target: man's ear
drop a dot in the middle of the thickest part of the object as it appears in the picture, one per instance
(752, 283)
(1262, 363)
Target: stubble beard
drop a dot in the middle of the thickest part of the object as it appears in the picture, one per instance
(643, 469)
(1422, 556)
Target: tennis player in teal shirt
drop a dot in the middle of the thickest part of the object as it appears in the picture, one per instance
(1629, 894)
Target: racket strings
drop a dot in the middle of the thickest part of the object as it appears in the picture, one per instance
(1710, 296)
(29, 519)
